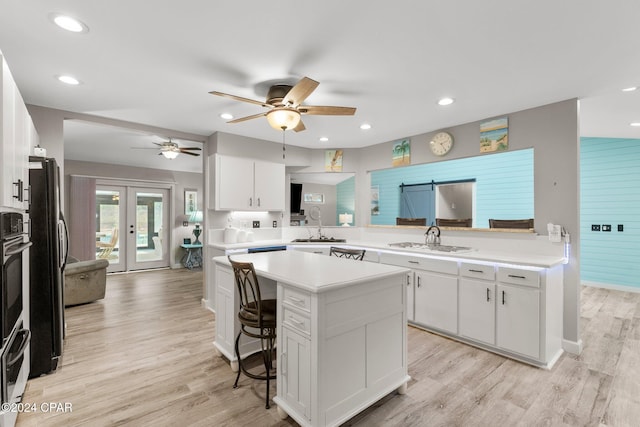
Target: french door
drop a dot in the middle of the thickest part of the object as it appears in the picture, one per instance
(132, 227)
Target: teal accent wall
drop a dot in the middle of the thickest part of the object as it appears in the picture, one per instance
(346, 198)
(504, 185)
(610, 194)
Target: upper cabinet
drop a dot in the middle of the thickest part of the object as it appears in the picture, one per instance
(248, 185)
(17, 137)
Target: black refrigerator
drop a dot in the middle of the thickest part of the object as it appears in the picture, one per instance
(47, 261)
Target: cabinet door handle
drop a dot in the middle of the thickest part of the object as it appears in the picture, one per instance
(408, 279)
(502, 297)
(414, 262)
(476, 271)
(258, 200)
(250, 201)
(516, 276)
(419, 281)
(488, 295)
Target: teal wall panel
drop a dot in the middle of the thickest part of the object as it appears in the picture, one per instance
(610, 194)
(346, 198)
(504, 185)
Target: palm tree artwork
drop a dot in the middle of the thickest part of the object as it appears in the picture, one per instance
(401, 154)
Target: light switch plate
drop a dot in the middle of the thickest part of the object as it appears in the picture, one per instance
(256, 224)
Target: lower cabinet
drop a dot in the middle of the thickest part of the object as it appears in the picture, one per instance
(295, 370)
(518, 320)
(477, 310)
(515, 311)
(436, 301)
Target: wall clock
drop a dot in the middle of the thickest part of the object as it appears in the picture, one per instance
(441, 143)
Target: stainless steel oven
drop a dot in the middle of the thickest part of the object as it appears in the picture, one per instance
(12, 364)
(13, 245)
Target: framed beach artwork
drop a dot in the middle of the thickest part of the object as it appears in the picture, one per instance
(375, 197)
(494, 135)
(190, 201)
(333, 160)
(401, 153)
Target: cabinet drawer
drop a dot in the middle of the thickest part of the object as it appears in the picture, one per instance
(298, 299)
(519, 277)
(478, 271)
(429, 264)
(296, 321)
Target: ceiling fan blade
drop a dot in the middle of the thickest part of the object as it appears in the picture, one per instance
(242, 119)
(189, 153)
(327, 110)
(239, 98)
(190, 148)
(158, 143)
(300, 127)
(300, 92)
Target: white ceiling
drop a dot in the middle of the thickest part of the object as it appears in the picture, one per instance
(154, 63)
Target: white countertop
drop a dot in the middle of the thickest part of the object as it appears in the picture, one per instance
(313, 272)
(496, 256)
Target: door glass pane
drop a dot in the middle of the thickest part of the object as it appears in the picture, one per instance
(107, 225)
(149, 207)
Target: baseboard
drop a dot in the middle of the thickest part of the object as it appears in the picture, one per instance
(622, 288)
(573, 347)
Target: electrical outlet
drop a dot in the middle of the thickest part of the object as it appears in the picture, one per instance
(606, 227)
(275, 224)
(620, 227)
(595, 227)
(185, 223)
(256, 224)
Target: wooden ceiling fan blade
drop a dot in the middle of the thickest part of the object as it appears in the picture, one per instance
(300, 127)
(300, 92)
(244, 119)
(326, 110)
(239, 98)
(190, 148)
(189, 153)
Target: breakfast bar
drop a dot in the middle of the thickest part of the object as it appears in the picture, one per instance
(341, 331)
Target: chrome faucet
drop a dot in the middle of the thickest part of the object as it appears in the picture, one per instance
(432, 236)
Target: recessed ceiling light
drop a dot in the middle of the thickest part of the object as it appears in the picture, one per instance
(69, 80)
(445, 101)
(365, 126)
(226, 116)
(636, 124)
(68, 23)
(324, 139)
(630, 89)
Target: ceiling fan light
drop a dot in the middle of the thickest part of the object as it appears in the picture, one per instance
(170, 154)
(283, 118)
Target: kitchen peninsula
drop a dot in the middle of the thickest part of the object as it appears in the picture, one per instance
(341, 331)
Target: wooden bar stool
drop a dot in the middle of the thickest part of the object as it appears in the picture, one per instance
(257, 320)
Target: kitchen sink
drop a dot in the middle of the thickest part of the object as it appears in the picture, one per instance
(438, 248)
(324, 240)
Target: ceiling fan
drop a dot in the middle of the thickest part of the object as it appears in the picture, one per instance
(170, 149)
(285, 105)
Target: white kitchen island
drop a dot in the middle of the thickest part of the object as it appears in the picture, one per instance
(342, 331)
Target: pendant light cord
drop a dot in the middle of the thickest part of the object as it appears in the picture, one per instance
(283, 149)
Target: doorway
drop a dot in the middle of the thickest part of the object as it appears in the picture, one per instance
(132, 227)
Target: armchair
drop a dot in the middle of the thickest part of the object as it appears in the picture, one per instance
(84, 281)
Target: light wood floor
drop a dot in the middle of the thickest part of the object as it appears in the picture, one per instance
(144, 357)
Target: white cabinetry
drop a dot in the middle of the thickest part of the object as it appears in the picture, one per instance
(478, 302)
(514, 311)
(435, 290)
(248, 184)
(320, 250)
(17, 137)
(518, 311)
